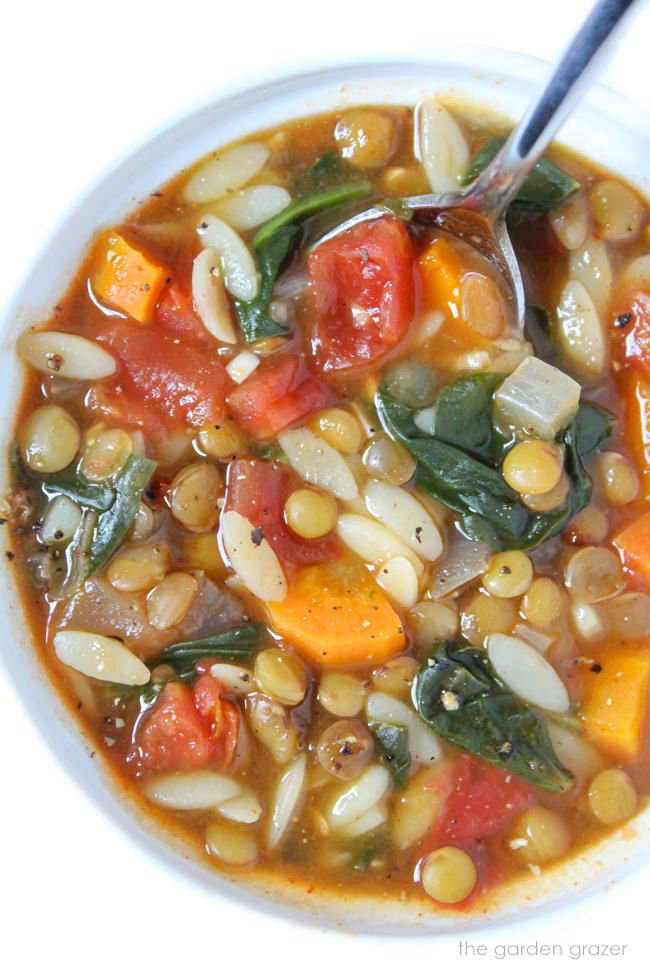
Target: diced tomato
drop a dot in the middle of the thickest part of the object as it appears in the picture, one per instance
(175, 308)
(364, 294)
(631, 332)
(188, 728)
(480, 800)
(277, 395)
(163, 383)
(258, 489)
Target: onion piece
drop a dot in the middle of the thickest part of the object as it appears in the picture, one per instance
(318, 463)
(537, 399)
(527, 673)
(227, 171)
(250, 207)
(242, 366)
(254, 561)
(403, 514)
(209, 296)
(235, 259)
(440, 146)
(465, 560)
(288, 799)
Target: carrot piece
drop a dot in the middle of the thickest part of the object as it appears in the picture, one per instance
(633, 544)
(127, 278)
(338, 616)
(441, 272)
(615, 700)
(635, 389)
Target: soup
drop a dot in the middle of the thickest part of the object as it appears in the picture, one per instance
(345, 575)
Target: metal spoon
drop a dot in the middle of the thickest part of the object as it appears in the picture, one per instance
(477, 214)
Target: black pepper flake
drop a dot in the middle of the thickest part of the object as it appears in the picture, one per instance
(204, 226)
(623, 320)
(58, 534)
(145, 287)
(365, 257)
(168, 280)
(506, 749)
(257, 536)
(506, 570)
(346, 749)
(418, 532)
(38, 524)
(10, 556)
(3, 521)
(596, 669)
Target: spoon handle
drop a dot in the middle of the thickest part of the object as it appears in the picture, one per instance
(573, 73)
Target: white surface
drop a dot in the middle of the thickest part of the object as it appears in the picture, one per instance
(84, 81)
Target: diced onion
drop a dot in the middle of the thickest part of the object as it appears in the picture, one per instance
(242, 366)
(464, 561)
(537, 399)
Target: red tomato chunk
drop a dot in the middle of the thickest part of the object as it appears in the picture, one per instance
(277, 395)
(175, 308)
(188, 728)
(163, 383)
(258, 490)
(481, 799)
(364, 294)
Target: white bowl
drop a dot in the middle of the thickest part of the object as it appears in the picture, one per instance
(609, 129)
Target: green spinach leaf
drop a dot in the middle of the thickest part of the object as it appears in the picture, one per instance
(314, 203)
(463, 470)
(253, 318)
(236, 644)
(99, 497)
(392, 745)
(113, 524)
(546, 188)
(459, 695)
(328, 170)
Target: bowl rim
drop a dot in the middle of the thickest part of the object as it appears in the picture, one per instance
(508, 64)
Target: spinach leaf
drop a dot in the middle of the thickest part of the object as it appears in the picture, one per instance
(74, 485)
(113, 524)
(97, 496)
(458, 693)
(363, 858)
(236, 644)
(323, 200)
(473, 486)
(546, 188)
(392, 745)
(253, 318)
(328, 170)
(463, 415)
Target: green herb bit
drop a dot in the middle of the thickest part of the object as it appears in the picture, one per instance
(459, 695)
(392, 745)
(328, 171)
(547, 187)
(113, 524)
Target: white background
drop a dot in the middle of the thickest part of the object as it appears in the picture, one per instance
(81, 81)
